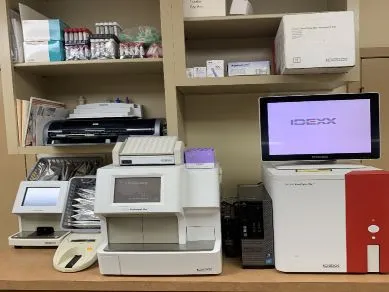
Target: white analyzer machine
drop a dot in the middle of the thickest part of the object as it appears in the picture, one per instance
(39, 206)
(329, 220)
(158, 219)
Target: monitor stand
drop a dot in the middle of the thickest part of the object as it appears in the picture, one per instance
(319, 164)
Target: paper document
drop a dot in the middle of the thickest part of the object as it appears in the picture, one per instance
(41, 112)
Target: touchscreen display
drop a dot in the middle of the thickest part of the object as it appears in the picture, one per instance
(137, 190)
(319, 127)
(41, 197)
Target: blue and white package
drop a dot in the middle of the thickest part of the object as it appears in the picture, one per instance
(44, 51)
(249, 68)
(43, 30)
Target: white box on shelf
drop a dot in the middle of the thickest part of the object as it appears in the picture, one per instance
(38, 27)
(204, 8)
(249, 68)
(44, 51)
(200, 72)
(189, 72)
(315, 43)
(215, 68)
(241, 7)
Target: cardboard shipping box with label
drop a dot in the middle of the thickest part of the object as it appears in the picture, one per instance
(204, 8)
(316, 43)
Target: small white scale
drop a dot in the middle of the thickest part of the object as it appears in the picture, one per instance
(77, 251)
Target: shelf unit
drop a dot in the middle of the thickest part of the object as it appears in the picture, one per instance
(142, 80)
(263, 84)
(241, 26)
(81, 149)
(93, 67)
(223, 112)
(202, 112)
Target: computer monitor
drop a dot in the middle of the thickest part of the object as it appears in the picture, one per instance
(320, 127)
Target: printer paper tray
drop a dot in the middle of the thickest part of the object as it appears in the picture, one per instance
(201, 245)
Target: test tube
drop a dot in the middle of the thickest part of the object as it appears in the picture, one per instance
(93, 48)
(75, 34)
(106, 28)
(80, 35)
(115, 29)
(97, 25)
(71, 36)
(111, 28)
(85, 34)
(66, 35)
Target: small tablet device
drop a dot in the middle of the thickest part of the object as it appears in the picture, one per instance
(40, 197)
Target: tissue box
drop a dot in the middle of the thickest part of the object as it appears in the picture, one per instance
(315, 43)
(248, 68)
(204, 8)
(43, 30)
(45, 51)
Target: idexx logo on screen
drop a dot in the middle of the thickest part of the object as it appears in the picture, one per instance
(313, 122)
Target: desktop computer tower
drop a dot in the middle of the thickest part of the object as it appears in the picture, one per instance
(256, 226)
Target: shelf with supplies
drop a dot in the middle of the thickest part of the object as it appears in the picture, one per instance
(16, 274)
(239, 26)
(262, 84)
(94, 67)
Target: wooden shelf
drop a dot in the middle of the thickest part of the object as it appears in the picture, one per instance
(374, 52)
(76, 149)
(16, 273)
(247, 26)
(93, 67)
(262, 84)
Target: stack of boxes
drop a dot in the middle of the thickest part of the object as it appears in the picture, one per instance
(43, 40)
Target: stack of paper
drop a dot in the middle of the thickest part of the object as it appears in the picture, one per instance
(107, 110)
(32, 117)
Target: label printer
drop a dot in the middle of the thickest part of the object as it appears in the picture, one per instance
(157, 216)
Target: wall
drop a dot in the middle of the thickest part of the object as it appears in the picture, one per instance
(12, 171)
(230, 124)
(373, 23)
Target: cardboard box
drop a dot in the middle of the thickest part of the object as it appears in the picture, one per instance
(204, 8)
(200, 72)
(249, 68)
(315, 43)
(215, 68)
(44, 51)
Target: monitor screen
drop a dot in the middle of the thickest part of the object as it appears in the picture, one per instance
(131, 190)
(41, 197)
(317, 127)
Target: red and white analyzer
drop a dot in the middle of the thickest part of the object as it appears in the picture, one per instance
(330, 220)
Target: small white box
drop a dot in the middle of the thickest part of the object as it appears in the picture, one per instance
(189, 72)
(315, 43)
(241, 7)
(215, 68)
(249, 68)
(204, 8)
(200, 72)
